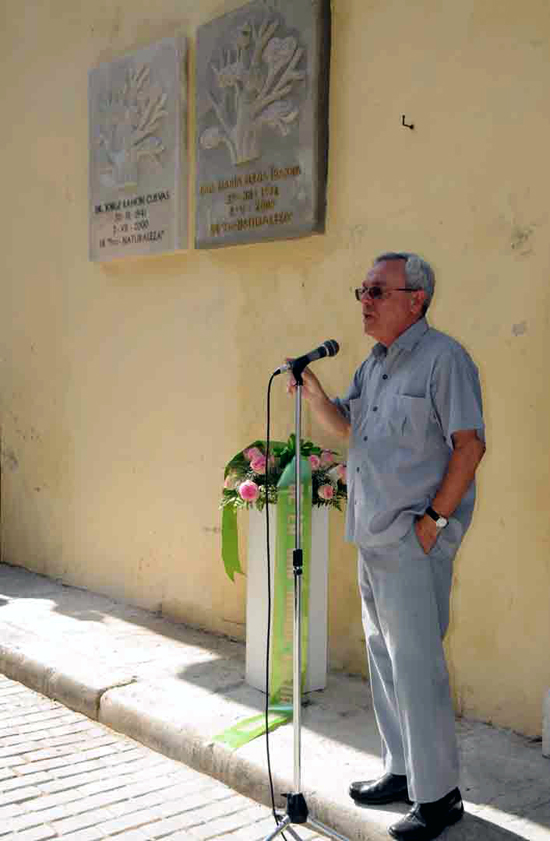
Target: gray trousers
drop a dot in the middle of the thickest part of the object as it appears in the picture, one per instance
(405, 595)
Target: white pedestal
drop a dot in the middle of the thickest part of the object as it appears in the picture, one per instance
(256, 598)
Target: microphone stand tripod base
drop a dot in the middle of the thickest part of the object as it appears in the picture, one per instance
(288, 821)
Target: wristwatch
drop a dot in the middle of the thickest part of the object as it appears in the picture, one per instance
(440, 520)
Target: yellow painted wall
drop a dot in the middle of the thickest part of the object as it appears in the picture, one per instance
(125, 387)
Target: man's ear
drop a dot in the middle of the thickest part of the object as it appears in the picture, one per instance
(417, 300)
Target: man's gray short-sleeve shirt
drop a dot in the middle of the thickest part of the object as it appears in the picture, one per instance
(404, 404)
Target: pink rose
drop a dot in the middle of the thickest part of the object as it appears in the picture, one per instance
(258, 464)
(326, 492)
(326, 458)
(249, 491)
(315, 462)
(252, 453)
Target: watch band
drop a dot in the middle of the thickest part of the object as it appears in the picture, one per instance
(440, 520)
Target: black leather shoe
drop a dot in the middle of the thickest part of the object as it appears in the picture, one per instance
(388, 789)
(426, 820)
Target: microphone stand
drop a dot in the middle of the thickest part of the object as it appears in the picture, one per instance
(297, 811)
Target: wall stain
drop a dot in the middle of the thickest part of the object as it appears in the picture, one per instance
(520, 241)
(519, 329)
(9, 459)
(116, 24)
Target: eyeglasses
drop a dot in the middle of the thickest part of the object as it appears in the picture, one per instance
(375, 292)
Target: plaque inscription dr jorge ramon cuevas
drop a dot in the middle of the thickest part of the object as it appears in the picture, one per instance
(138, 165)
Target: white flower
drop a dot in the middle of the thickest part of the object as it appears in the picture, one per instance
(338, 473)
(232, 482)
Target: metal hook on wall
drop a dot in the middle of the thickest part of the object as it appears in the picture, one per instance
(407, 125)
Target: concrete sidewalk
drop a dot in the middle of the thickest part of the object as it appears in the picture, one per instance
(174, 689)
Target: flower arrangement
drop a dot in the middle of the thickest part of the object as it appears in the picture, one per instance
(249, 479)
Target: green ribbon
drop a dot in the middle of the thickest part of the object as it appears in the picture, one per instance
(250, 728)
(230, 542)
(282, 647)
(282, 636)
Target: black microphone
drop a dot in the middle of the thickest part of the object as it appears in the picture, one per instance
(328, 348)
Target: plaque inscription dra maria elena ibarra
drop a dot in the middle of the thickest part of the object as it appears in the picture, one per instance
(262, 114)
(138, 165)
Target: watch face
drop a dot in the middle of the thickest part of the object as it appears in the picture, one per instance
(441, 523)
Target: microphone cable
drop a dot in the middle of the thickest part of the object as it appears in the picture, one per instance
(268, 635)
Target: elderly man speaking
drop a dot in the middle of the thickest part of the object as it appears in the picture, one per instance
(413, 417)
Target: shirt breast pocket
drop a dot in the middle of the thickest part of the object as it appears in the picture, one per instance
(412, 417)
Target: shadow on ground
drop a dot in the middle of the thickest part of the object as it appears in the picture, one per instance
(505, 779)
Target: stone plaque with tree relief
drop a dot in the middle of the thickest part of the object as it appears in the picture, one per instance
(138, 166)
(262, 122)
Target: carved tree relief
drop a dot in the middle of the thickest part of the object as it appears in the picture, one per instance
(130, 117)
(255, 78)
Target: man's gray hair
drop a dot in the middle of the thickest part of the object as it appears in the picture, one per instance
(418, 272)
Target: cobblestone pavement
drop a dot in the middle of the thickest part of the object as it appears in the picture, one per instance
(65, 776)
